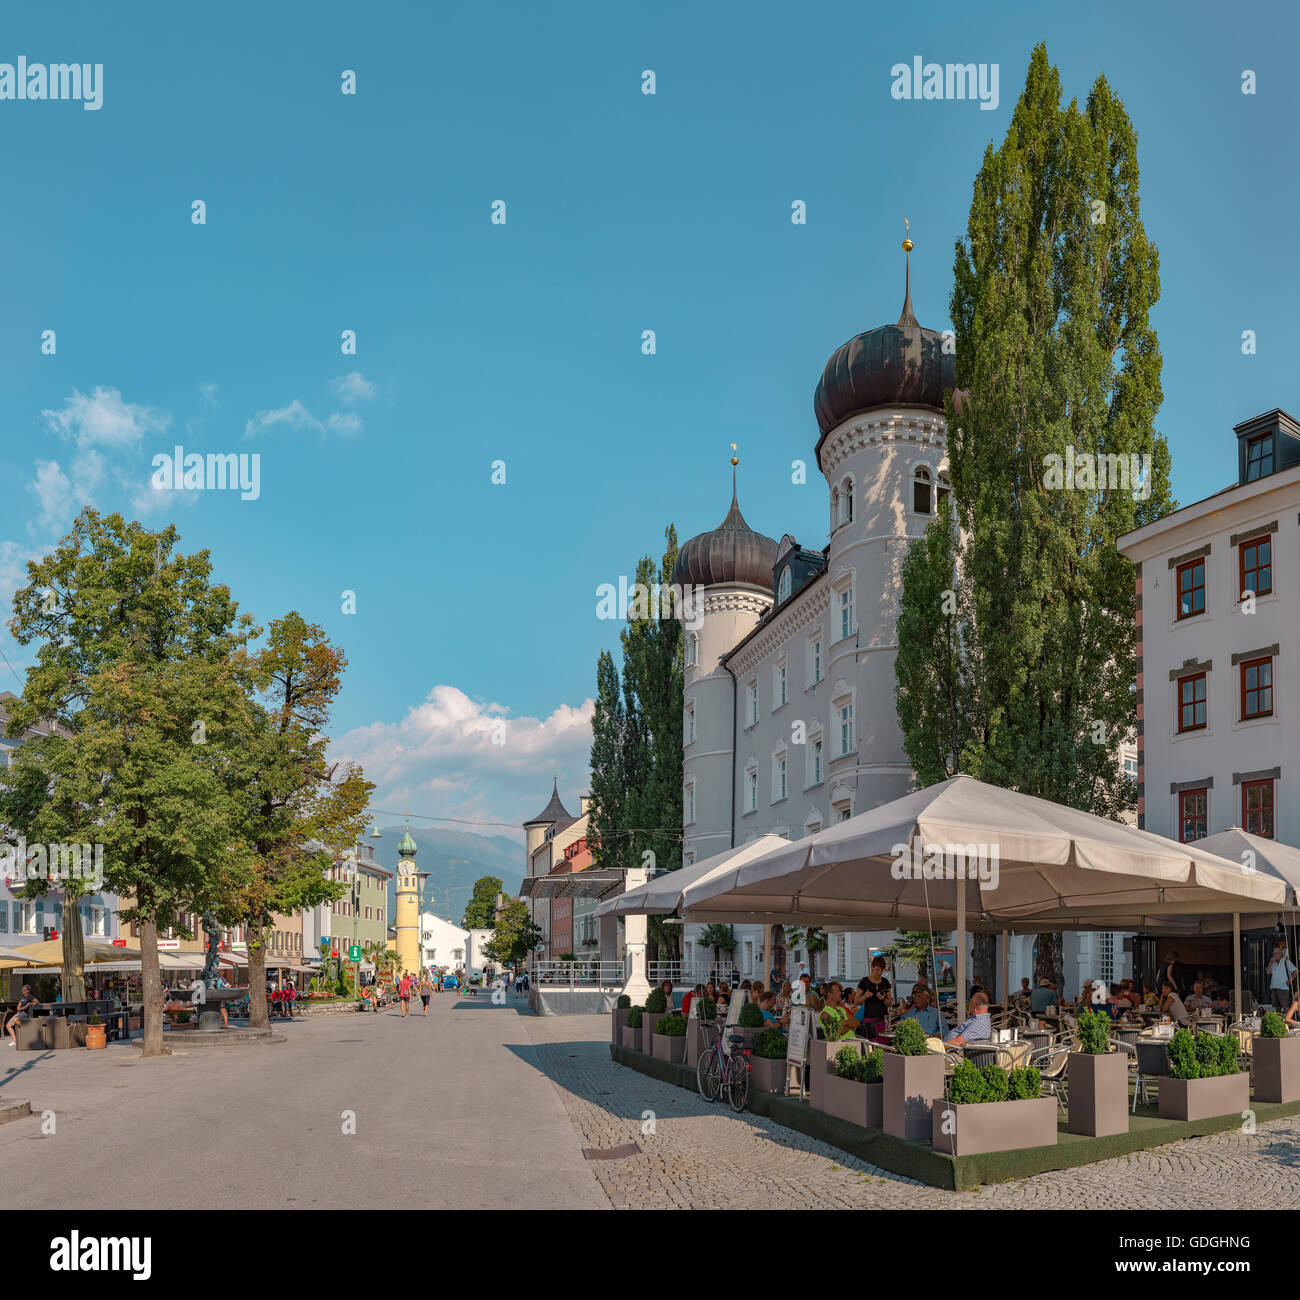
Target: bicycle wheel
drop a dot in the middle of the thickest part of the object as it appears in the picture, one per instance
(738, 1081)
(708, 1074)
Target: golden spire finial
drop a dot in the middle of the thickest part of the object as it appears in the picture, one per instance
(735, 460)
(907, 243)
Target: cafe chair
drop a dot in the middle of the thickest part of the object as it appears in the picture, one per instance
(1051, 1064)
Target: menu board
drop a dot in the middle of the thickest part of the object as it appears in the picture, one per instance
(801, 1027)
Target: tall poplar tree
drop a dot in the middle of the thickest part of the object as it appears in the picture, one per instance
(1056, 359)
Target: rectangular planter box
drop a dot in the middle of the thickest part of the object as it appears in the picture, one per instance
(1225, 1094)
(817, 1057)
(1098, 1091)
(994, 1126)
(618, 1022)
(669, 1049)
(858, 1103)
(769, 1076)
(632, 1039)
(1275, 1068)
(648, 1022)
(911, 1085)
(696, 1040)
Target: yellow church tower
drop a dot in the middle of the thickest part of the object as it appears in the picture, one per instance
(407, 919)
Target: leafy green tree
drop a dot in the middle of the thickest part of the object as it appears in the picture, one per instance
(916, 948)
(1056, 358)
(481, 910)
(516, 935)
(137, 658)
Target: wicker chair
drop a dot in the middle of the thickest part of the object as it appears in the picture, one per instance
(1051, 1063)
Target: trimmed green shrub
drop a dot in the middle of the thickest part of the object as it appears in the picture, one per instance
(873, 1067)
(1181, 1055)
(708, 1008)
(966, 1087)
(1025, 1082)
(771, 1045)
(1203, 1056)
(623, 1002)
(971, 1085)
(634, 1017)
(997, 1087)
(673, 1026)
(1207, 1054)
(750, 1016)
(846, 1062)
(182, 1017)
(909, 1039)
(657, 1002)
(1272, 1026)
(1094, 1032)
(1229, 1054)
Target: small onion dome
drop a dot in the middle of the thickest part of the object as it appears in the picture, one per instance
(407, 847)
(732, 553)
(894, 365)
(554, 811)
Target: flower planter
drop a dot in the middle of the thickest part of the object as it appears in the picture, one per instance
(1098, 1091)
(1275, 1068)
(96, 1037)
(911, 1085)
(858, 1103)
(617, 1023)
(768, 1075)
(669, 1048)
(1223, 1094)
(632, 1039)
(972, 1130)
(697, 1039)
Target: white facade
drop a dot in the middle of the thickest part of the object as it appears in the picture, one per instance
(442, 943)
(475, 941)
(1220, 726)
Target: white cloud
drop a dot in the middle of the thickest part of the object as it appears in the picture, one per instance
(352, 388)
(52, 489)
(104, 420)
(442, 759)
(295, 416)
(344, 422)
(208, 394)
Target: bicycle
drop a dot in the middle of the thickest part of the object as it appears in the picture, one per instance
(720, 1070)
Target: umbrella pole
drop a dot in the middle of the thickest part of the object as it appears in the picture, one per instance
(961, 950)
(1236, 961)
(1006, 992)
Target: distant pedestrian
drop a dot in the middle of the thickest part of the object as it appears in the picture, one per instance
(426, 992)
(404, 992)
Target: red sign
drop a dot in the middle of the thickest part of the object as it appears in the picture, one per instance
(119, 943)
(335, 953)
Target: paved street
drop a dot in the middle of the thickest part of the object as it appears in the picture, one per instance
(483, 1107)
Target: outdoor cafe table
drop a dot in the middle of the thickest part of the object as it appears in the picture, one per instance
(1128, 1033)
(988, 1053)
(1038, 1037)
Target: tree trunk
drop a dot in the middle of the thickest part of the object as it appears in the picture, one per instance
(151, 983)
(257, 1012)
(1048, 960)
(74, 951)
(984, 963)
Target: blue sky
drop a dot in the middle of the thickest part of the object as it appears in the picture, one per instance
(522, 342)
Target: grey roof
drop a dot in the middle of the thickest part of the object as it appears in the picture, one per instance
(731, 553)
(553, 812)
(895, 365)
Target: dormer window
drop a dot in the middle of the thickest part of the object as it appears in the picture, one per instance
(921, 489)
(783, 586)
(1259, 457)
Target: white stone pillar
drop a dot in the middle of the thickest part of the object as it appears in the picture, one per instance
(635, 928)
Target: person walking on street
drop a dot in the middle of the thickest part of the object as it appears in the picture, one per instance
(426, 992)
(404, 992)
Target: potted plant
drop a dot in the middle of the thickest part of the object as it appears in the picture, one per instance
(1098, 1080)
(96, 1032)
(992, 1109)
(1204, 1078)
(618, 1018)
(750, 1023)
(854, 1088)
(656, 1005)
(670, 1037)
(632, 1031)
(696, 1035)
(768, 1068)
(913, 1079)
(1275, 1061)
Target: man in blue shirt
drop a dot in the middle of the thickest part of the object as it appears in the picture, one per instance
(923, 1013)
(1043, 996)
(976, 1028)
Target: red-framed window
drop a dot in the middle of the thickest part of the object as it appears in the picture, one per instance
(1193, 814)
(1257, 688)
(1191, 702)
(1257, 807)
(1256, 566)
(1191, 588)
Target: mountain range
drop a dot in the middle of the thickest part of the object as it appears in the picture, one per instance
(454, 860)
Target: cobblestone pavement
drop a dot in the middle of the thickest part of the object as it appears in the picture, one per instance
(699, 1156)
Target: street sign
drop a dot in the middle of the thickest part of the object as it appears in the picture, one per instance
(119, 943)
(169, 945)
(354, 952)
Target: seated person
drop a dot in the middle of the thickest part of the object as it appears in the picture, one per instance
(1196, 999)
(976, 1028)
(1024, 991)
(923, 1013)
(1043, 996)
(836, 1018)
(1221, 1003)
(767, 1005)
(1171, 1005)
(1292, 1016)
